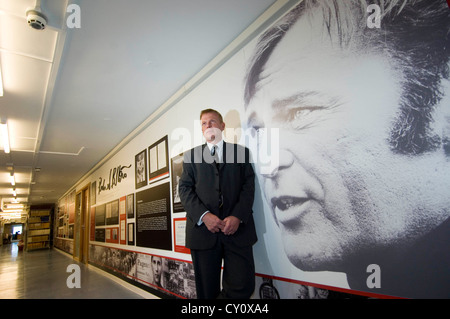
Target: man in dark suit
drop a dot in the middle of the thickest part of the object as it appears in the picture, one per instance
(217, 189)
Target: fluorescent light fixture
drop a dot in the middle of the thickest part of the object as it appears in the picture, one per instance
(5, 137)
(12, 210)
(1, 83)
(14, 206)
(14, 193)
(12, 179)
(11, 215)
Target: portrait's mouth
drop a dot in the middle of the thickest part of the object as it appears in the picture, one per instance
(284, 203)
(288, 210)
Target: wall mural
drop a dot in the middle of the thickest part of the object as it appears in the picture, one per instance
(345, 106)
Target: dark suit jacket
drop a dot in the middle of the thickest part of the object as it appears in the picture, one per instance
(200, 186)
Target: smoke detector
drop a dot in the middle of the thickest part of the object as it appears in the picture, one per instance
(35, 18)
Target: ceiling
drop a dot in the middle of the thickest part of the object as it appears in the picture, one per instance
(71, 95)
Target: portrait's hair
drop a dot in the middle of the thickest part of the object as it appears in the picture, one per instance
(414, 34)
(205, 111)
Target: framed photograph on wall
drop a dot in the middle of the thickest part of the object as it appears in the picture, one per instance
(130, 206)
(140, 161)
(177, 169)
(158, 160)
(130, 234)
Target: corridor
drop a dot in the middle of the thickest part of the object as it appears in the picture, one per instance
(42, 274)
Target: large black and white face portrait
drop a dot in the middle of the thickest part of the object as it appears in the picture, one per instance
(363, 127)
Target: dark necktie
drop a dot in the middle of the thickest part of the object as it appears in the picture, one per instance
(215, 155)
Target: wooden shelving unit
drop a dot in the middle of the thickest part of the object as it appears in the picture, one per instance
(38, 233)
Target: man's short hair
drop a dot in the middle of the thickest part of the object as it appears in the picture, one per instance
(205, 111)
(414, 34)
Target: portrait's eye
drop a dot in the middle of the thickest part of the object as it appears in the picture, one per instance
(303, 111)
(300, 113)
(298, 117)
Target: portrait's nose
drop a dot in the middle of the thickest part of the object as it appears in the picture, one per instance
(279, 162)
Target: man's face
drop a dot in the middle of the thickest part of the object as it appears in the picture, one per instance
(157, 267)
(212, 127)
(339, 189)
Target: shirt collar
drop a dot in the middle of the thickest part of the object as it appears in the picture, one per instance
(219, 145)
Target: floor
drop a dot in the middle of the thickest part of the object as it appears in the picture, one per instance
(42, 274)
